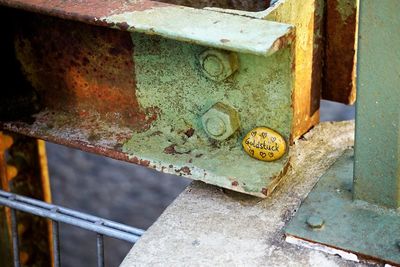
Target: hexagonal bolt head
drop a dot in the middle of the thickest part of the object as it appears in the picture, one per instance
(218, 65)
(220, 121)
(315, 222)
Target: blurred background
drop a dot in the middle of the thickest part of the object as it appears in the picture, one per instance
(121, 192)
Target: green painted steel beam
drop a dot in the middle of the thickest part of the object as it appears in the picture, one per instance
(376, 172)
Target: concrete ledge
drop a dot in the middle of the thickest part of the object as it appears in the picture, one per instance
(208, 226)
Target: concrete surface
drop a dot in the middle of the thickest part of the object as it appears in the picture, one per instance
(208, 226)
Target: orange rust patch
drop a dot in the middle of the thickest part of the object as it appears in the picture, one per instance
(340, 54)
(85, 71)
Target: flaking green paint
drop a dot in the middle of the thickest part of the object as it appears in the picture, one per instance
(169, 78)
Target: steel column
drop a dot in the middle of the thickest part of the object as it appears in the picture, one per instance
(376, 169)
(356, 209)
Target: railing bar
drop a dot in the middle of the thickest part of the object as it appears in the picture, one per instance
(73, 213)
(56, 243)
(56, 216)
(95, 219)
(15, 238)
(100, 250)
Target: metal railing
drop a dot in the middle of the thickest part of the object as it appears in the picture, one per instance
(58, 215)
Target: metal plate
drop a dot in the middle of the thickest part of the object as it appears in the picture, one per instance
(354, 226)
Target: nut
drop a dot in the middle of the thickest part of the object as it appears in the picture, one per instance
(220, 121)
(218, 65)
(315, 222)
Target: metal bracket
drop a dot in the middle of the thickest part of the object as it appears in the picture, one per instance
(141, 91)
(330, 216)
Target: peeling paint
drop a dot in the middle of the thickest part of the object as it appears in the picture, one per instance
(183, 94)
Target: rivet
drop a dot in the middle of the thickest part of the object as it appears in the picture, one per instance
(315, 222)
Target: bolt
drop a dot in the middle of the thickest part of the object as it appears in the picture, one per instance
(218, 65)
(220, 121)
(315, 222)
(398, 243)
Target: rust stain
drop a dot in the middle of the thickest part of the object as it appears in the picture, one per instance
(170, 150)
(340, 53)
(264, 191)
(189, 133)
(88, 11)
(185, 170)
(86, 71)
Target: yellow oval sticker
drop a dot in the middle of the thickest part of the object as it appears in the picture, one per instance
(264, 144)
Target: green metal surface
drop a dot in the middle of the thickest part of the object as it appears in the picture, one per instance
(206, 27)
(260, 91)
(354, 226)
(377, 157)
(358, 198)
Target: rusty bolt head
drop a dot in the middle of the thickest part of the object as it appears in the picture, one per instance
(218, 65)
(220, 121)
(315, 222)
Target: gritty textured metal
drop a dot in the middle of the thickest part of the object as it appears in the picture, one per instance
(308, 18)
(377, 155)
(210, 28)
(354, 226)
(177, 143)
(140, 98)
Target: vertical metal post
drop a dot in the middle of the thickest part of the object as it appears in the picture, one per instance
(377, 146)
(100, 250)
(56, 244)
(15, 239)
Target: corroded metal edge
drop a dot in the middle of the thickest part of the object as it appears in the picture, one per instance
(352, 226)
(210, 28)
(112, 148)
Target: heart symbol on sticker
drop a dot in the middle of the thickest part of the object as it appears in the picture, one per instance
(251, 152)
(254, 133)
(263, 155)
(271, 155)
(273, 139)
(264, 135)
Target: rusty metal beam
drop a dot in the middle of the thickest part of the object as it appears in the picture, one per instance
(141, 97)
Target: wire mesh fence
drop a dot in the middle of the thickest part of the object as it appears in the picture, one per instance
(57, 215)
